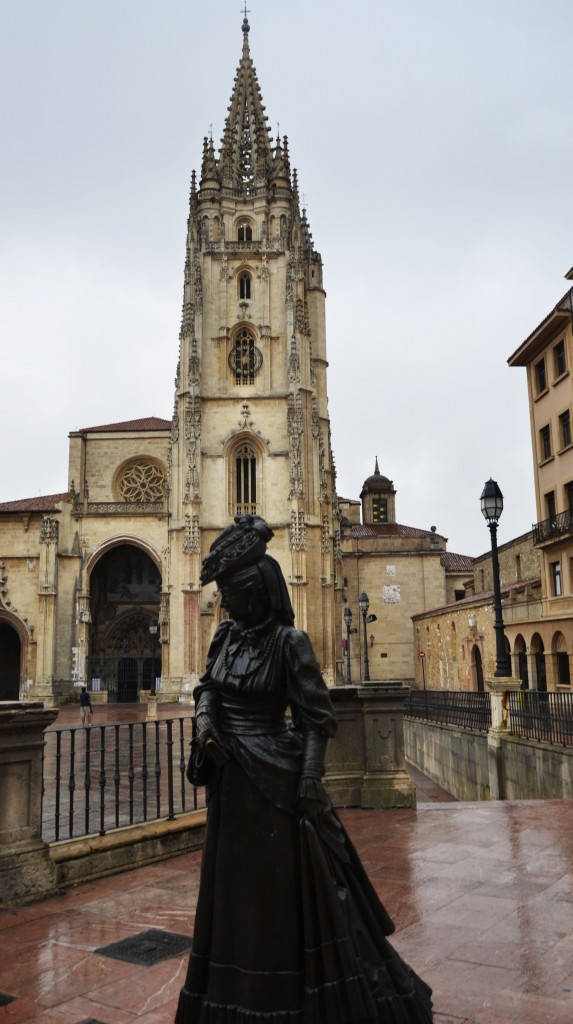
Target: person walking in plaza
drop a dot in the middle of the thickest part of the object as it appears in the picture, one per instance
(288, 927)
(85, 707)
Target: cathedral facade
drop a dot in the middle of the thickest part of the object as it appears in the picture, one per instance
(99, 585)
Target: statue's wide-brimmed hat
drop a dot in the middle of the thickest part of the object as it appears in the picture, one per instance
(240, 545)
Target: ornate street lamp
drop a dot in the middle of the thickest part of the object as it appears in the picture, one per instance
(364, 604)
(492, 507)
(153, 627)
(349, 631)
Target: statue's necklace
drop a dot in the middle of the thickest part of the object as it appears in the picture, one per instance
(254, 665)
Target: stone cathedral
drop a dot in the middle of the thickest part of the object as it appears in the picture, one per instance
(99, 585)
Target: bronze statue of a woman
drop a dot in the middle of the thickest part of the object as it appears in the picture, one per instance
(288, 928)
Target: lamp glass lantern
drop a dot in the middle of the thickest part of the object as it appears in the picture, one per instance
(491, 501)
(363, 603)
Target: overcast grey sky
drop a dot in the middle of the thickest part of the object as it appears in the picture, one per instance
(433, 144)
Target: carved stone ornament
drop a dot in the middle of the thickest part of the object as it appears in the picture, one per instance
(4, 599)
(391, 593)
(322, 469)
(326, 543)
(194, 364)
(315, 418)
(164, 609)
(175, 425)
(297, 539)
(191, 539)
(293, 362)
(198, 283)
(48, 530)
(192, 447)
(295, 427)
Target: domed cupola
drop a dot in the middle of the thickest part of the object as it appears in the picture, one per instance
(378, 499)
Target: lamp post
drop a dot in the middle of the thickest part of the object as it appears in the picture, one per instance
(492, 507)
(349, 631)
(153, 627)
(364, 604)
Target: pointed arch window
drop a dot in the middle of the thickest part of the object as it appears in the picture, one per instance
(244, 232)
(245, 286)
(246, 480)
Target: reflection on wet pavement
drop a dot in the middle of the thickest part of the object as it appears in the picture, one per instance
(482, 896)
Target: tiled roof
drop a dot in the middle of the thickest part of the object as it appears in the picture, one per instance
(46, 503)
(148, 423)
(389, 530)
(456, 563)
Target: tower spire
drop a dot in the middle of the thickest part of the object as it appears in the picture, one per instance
(245, 157)
(246, 29)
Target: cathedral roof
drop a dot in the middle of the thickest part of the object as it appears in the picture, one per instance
(388, 530)
(45, 503)
(456, 563)
(128, 426)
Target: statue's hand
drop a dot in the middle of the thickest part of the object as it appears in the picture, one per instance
(204, 729)
(312, 800)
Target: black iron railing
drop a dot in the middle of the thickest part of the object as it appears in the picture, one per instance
(559, 525)
(547, 717)
(107, 776)
(465, 709)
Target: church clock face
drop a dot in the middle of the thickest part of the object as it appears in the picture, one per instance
(245, 359)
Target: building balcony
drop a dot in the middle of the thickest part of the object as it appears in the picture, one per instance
(557, 526)
(246, 508)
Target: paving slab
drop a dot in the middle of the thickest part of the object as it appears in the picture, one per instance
(481, 893)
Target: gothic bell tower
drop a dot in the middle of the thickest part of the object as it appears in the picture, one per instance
(250, 424)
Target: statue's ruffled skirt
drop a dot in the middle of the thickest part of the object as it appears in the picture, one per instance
(288, 928)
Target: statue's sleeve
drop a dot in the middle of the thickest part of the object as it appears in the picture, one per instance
(307, 693)
(205, 693)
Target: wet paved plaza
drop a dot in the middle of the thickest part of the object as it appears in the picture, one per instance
(481, 893)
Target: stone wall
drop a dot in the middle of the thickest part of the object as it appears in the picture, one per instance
(519, 560)
(460, 762)
(457, 759)
(536, 771)
(454, 637)
(401, 575)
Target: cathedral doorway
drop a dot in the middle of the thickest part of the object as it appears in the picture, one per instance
(10, 657)
(125, 656)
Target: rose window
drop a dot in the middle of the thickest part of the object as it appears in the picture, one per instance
(142, 481)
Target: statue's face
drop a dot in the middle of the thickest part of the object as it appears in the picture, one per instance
(243, 602)
(236, 600)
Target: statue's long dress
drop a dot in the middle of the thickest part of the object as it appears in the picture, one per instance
(288, 929)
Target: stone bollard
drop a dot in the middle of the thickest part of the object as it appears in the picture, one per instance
(26, 870)
(152, 707)
(500, 688)
(365, 764)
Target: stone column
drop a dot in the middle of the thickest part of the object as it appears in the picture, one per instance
(365, 763)
(26, 870)
(500, 688)
(47, 600)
